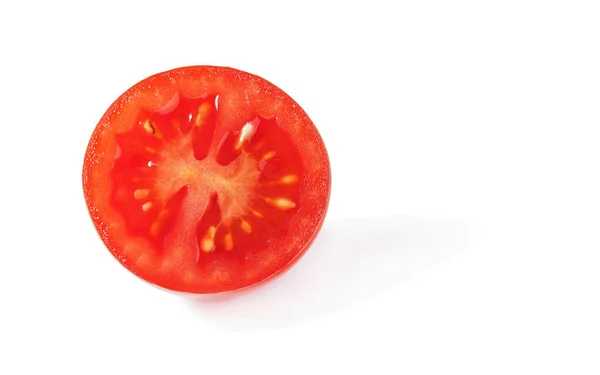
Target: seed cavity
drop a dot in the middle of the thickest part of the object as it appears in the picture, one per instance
(246, 226)
(281, 203)
(207, 243)
(147, 206)
(141, 193)
(228, 242)
(176, 124)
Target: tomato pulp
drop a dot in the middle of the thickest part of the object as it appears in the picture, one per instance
(206, 179)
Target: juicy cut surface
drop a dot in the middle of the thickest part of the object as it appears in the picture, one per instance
(206, 179)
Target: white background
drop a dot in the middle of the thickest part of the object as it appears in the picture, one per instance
(463, 230)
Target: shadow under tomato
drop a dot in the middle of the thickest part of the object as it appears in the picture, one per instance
(350, 261)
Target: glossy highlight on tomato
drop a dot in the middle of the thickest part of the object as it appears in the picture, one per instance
(206, 179)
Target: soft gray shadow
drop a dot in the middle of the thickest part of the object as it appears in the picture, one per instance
(350, 261)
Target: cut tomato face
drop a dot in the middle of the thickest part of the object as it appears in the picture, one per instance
(206, 179)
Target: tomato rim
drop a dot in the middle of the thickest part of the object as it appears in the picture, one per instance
(93, 159)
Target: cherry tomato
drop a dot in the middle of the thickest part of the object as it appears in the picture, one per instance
(206, 179)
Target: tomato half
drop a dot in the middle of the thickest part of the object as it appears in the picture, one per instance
(206, 179)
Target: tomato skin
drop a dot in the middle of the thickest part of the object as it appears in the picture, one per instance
(242, 95)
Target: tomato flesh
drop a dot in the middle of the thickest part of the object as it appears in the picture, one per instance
(206, 189)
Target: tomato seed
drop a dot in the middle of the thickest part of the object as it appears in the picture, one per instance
(207, 244)
(289, 179)
(246, 226)
(204, 110)
(281, 203)
(268, 155)
(228, 242)
(148, 127)
(246, 134)
(257, 214)
(141, 193)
